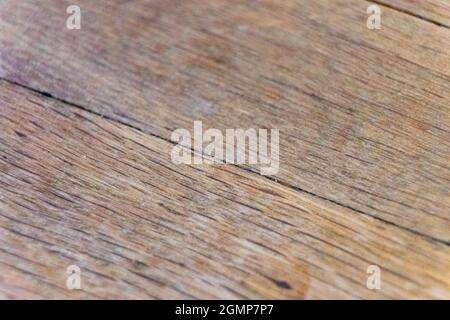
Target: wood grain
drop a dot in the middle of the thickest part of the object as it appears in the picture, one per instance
(434, 11)
(85, 170)
(364, 115)
(80, 189)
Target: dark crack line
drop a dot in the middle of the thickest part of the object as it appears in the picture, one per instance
(272, 179)
(409, 13)
(298, 189)
(72, 104)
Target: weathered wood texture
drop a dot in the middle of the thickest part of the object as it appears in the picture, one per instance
(364, 115)
(364, 125)
(79, 189)
(436, 11)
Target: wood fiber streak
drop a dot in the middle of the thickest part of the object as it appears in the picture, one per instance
(80, 189)
(363, 115)
(435, 11)
(86, 177)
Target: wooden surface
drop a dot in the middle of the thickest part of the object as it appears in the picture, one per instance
(86, 176)
(433, 11)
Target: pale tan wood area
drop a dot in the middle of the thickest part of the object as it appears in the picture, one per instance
(364, 115)
(79, 189)
(435, 11)
(86, 176)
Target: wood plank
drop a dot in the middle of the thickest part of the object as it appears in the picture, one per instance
(76, 188)
(437, 11)
(363, 115)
